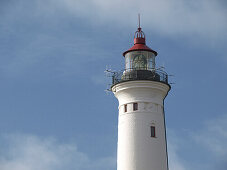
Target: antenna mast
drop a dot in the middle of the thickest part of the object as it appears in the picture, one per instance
(139, 19)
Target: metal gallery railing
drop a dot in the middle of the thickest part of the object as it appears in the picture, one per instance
(135, 74)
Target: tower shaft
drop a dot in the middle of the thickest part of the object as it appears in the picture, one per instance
(141, 126)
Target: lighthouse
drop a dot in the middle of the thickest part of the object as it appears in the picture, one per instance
(141, 89)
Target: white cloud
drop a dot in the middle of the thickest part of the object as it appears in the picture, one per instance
(175, 161)
(192, 19)
(201, 18)
(42, 40)
(29, 152)
(210, 142)
(213, 136)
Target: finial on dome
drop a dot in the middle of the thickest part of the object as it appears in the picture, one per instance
(139, 37)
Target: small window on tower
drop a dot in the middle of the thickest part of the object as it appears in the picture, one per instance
(125, 108)
(153, 131)
(135, 106)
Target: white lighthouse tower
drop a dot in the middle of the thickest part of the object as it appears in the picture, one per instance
(141, 89)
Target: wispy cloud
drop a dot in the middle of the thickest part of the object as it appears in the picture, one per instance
(213, 136)
(46, 36)
(38, 36)
(192, 19)
(175, 161)
(29, 152)
(26, 152)
(210, 141)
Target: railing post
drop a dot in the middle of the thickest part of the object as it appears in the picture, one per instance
(113, 78)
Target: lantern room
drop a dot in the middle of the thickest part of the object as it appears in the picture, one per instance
(140, 56)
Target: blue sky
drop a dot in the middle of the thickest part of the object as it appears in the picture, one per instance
(54, 111)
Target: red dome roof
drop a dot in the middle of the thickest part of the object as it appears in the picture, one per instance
(140, 43)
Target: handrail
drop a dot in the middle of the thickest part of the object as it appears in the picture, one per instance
(139, 74)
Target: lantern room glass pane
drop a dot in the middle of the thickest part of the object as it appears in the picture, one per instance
(127, 62)
(140, 60)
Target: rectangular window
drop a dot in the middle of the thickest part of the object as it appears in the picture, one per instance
(135, 106)
(153, 131)
(125, 108)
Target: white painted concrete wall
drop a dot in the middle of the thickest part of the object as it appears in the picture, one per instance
(137, 150)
